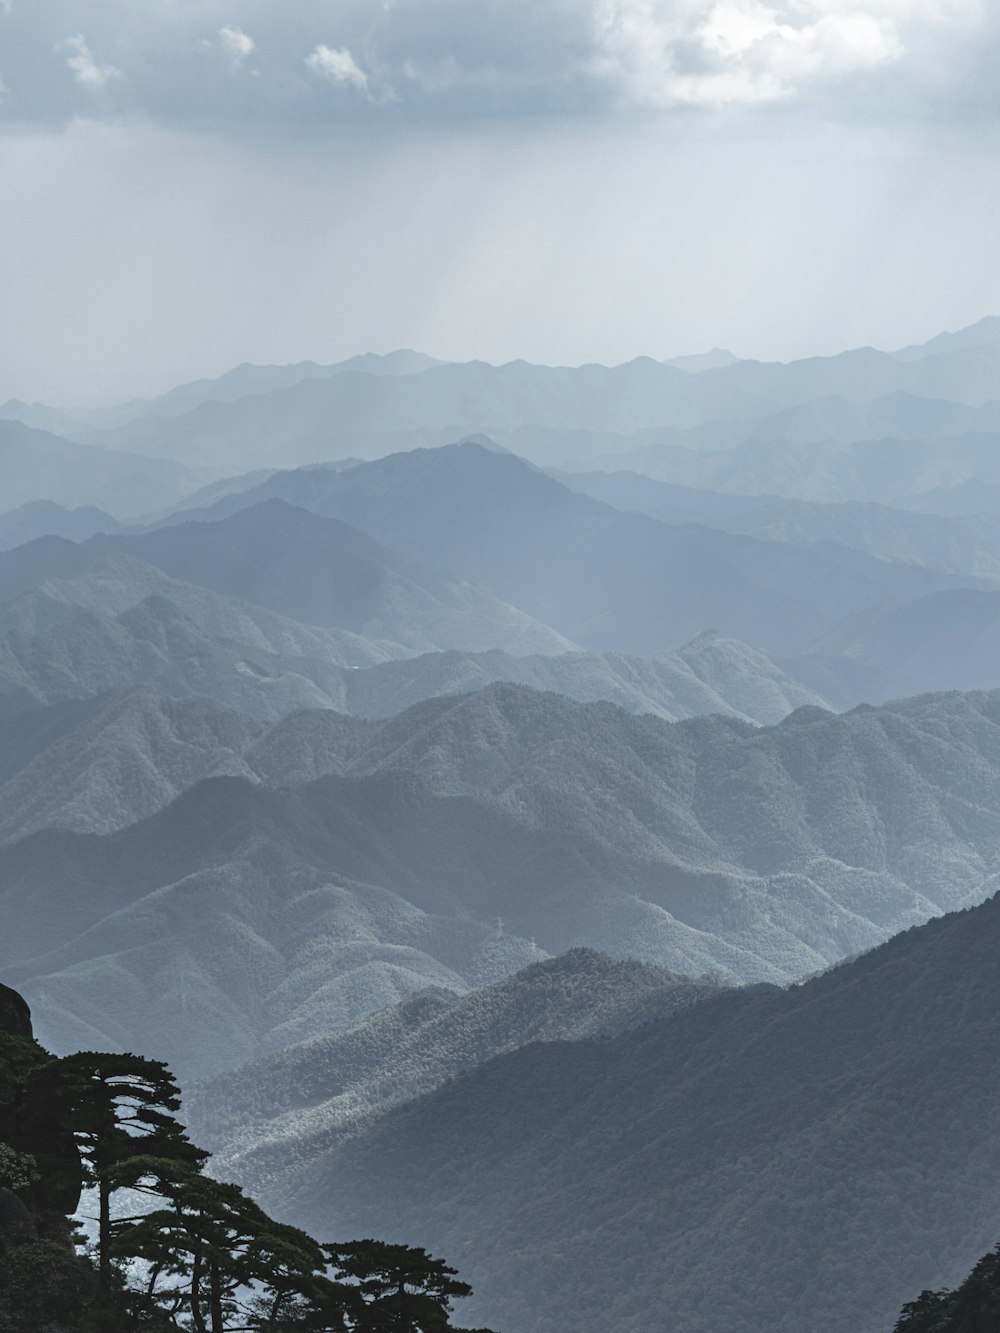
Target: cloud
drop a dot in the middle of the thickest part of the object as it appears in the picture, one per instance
(6, 6)
(237, 45)
(338, 65)
(85, 68)
(739, 51)
(472, 59)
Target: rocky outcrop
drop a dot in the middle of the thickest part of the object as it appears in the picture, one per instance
(15, 1016)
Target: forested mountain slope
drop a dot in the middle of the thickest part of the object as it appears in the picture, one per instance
(766, 1162)
(270, 1118)
(119, 621)
(100, 763)
(377, 857)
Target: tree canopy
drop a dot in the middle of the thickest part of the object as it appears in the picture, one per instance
(175, 1249)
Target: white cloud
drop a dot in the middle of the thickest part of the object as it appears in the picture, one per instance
(86, 69)
(237, 44)
(6, 6)
(672, 52)
(338, 65)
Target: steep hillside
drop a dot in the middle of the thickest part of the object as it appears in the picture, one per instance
(266, 1119)
(766, 1162)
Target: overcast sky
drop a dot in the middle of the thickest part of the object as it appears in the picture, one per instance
(186, 184)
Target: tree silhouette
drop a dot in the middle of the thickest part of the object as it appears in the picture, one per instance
(118, 1107)
(403, 1289)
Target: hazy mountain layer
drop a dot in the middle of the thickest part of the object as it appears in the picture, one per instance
(39, 466)
(241, 920)
(274, 1117)
(605, 579)
(901, 472)
(121, 622)
(320, 571)
(951, 637)
(100, 764)
(963, 546)
(265, 916)
(293, 424)
(766, 1162)
(711, 674)
(43, 518)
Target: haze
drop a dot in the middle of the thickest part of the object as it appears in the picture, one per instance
(188, 187)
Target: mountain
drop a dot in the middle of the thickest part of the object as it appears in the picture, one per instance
(39, 466)
(320, 1089)
(951, 637)
(711, 360)
(320, 571)
(293, 424)
(962, 546)
(240, 920)
(767, 1161)
(249, 380)
(364, 861)
(902, 472)
(115, 621)
(710, 674)
(98, 764)
(609, 581)
(44, 518)
(984, 333)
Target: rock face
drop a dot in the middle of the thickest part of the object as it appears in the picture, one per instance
(15, 1016)
(30, 1121)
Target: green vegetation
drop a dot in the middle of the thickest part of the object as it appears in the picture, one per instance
(200, 1255)
(271, 1123)
(703, 846)
(973, 1308)
(767, 1161)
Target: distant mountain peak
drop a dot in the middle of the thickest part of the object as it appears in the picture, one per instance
(714, 359)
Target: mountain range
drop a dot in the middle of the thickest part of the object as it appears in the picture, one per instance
(763, 1162)
(262, 1120)
(357, 862)
(607, 580)
(381, 412)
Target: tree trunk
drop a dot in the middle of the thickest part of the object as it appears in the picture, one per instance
(215, 1297)
(197, 1318)
(104, 1236)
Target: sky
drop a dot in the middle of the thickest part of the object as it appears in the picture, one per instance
(188, 184)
